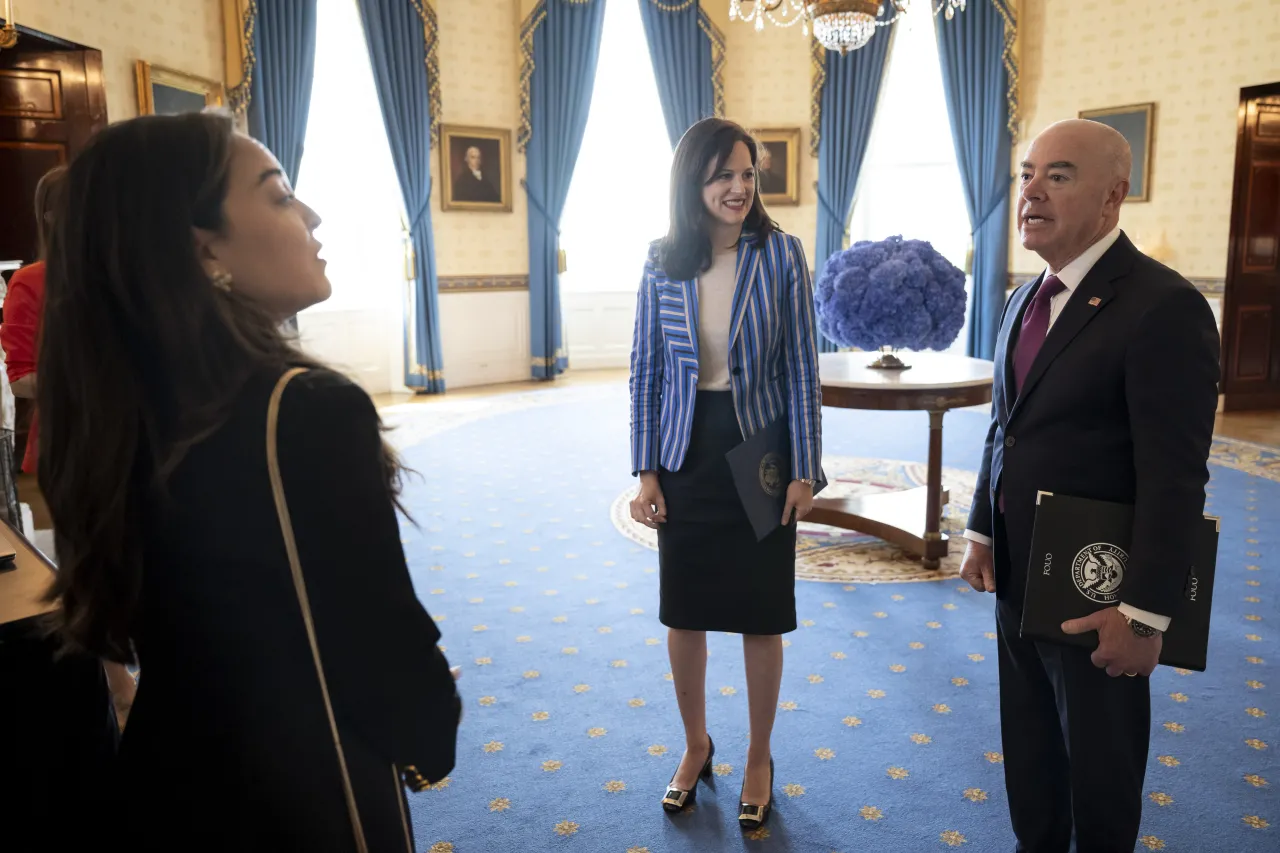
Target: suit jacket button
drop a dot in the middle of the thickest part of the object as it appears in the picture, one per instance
(737, 371)
(1009, 442)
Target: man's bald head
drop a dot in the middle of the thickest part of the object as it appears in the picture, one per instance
(1099, 142)
(1075, 176)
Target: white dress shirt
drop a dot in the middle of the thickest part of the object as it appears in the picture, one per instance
(1071, 275)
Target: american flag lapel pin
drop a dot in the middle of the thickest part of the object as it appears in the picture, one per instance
(1095, 301)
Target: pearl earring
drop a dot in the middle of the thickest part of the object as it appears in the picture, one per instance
(222, 281)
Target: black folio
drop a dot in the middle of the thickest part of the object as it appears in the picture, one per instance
(1079, 552)
(761, 468)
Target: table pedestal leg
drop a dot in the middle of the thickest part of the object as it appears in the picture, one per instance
(935, 547)
(896, 516)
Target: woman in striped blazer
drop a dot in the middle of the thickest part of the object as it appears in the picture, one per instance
(725, 344)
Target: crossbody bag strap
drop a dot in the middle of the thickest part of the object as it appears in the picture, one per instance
(304, 603)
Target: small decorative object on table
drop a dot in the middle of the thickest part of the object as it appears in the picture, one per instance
(890, 294)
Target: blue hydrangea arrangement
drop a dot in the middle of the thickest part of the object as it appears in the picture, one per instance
(890, 293)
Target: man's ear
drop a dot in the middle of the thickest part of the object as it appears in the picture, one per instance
(1119, 192)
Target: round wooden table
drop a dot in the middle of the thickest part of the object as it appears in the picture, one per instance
(936, 382)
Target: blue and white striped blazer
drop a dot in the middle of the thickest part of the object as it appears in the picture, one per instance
(773, 356)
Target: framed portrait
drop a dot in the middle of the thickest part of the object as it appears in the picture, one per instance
(1136, 123)
(475, 168)
(163, 91)
(778, 166)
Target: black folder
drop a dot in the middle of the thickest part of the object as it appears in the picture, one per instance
(1079, 552)
(761, 468)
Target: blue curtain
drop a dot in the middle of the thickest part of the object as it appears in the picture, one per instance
(396, 34)
(850, 90)
(565, 37)
(688, 58)
(284, 42)
(973, 49)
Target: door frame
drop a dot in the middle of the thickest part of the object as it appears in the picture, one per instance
(1239, 189)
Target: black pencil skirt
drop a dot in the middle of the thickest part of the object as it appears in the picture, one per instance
(714, 575)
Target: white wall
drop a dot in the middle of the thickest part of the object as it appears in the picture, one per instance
(485, 338)
(598, 327)
(366, 344)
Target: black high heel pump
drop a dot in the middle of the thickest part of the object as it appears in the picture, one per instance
(677, 800)
(753, 817)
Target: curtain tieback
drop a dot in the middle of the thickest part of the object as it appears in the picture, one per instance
(562, 260)
(416, 221)
(825, 205)
(995, 203)
(538, 206)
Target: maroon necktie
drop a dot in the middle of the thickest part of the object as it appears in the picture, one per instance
(1035, 325)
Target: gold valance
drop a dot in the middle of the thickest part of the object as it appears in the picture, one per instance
(239, 17)
(716, 38)
(431, 39)
(818, 58)
(527, 30)
(1007, 10)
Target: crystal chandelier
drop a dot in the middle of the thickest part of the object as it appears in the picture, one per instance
(842, 25)
(845, 25)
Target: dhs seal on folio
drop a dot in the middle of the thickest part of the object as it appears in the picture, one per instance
(1098, 571)
(771, 474)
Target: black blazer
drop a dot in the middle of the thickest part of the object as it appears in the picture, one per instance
(467, 187)
(1118, 406)
(228, 745)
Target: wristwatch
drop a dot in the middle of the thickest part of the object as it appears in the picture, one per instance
(809, 483)
(1141, 629)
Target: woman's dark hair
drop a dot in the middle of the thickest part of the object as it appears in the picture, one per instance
(140, 356)
(46, 200)
(686, 251)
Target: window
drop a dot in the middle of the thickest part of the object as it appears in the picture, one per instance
(617, 202)
(347, 174)
(910, 182)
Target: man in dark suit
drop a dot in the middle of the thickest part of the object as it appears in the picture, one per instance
(471, 184)
(1106, 372)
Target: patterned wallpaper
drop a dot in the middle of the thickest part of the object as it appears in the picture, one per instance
(479, 56)
(1188, 56)
(185, 35)
(767, 80)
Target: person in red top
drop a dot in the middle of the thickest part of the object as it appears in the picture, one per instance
(22, 308)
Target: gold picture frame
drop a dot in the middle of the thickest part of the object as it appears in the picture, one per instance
(778, 166)
(469, 158)
(165, 91)
(1137, 124)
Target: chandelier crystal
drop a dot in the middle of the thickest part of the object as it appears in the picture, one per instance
(780, 13)
(842, 25)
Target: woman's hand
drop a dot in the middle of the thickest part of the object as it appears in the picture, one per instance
(799, 499)
(648, 507)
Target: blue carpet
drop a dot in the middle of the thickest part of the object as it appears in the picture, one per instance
(888, 737)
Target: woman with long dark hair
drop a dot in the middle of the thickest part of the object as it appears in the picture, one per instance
(725, 345)
(224, 508)
(19, 333)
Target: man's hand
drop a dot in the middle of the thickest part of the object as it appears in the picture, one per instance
(978, 567)
(1120, 651)
(799, 499)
